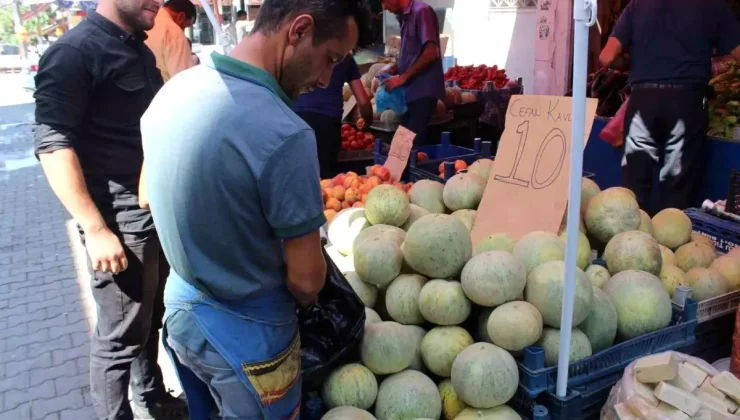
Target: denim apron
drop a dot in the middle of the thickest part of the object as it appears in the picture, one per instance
(259, 340)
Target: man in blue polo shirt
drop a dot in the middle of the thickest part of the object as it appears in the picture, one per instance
(233, 186)
(419, 66)
(671, 43)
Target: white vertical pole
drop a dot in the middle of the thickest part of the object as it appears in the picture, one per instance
(584, 14)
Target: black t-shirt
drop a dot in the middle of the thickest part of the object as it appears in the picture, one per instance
(92, 87)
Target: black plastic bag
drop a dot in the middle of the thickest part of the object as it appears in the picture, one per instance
(330, 330)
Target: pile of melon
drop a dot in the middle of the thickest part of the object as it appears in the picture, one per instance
(446, 322)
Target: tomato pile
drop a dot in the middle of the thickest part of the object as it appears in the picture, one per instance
(475, 78)
(353, 139)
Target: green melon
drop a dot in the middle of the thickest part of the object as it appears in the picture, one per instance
(646, 223)
(702, 239)
(735, 252)
(598, 275)
(443, 302)
(564, 223)
(371, 317)
(408, 395)
(393, 233)
(580, 347)
(495, 242)
(583, 258)
(415, 213)
(589, 190)
(672, 277)
(515, 325)
(402, 297)
(417, 333)
(601, 324)
(350, 385)
(642, 304)
(368, 293)
(451, 403)
(485, 375)
(482, 168)
(667, 255)
(378, 260)
(387, 347)
(493, 278)
(345, 227)
(729, 267)
(387, 205)
(695, 254)
(438, 246)
(707, 283)
(463, 191)
(502, 412)
(440, 347)
(633, 250)
(347, 413)
(428, 195)
(672, 228)
(610, 212)
(544, 290)
(538, 247)
(467, 217)
(483, 316)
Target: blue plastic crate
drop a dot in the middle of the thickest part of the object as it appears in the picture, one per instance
(535, 378)
(444, 150)
(713, 339)
(428, 169)
(724, 233)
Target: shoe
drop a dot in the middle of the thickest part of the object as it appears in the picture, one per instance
(168, 408)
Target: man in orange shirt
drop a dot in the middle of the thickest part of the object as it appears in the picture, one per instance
(167, 39)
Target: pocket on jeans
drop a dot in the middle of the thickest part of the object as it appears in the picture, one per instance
(274, 379)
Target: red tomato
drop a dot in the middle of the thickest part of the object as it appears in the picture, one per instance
(352, 138)
(370, 147)
(370, 137)
(346, 127)
(354, 145)
(361, 136)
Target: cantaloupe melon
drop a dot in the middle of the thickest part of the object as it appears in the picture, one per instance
(346, 413)
(539, 247)
(583, 258)
(646, 223)
(672, 228)
(589, 190)
(495, 242)
(702, 239)
(463, 191)
(735, 252)
(427, 194)
(440, 110)
(580, 347)
(440, 347)
(544, 290)
(438, 246)
(368, 293)
(493, 278)
(387, 205)
(451, 403)
(443, 302)
(387, 347)
(345, 227)
(672, 277)
(415, 213)
(642, 304)
(515, 325)
(469, 98)
(667, 255)
(377, 260)
(695, 254)
(485, 375)
(633, 250)
(402, 299)
(601, 324)
(371, 317)
(417, 333)
(408, 395)
(467, 217)
(395, 234)
(482, 168)
(390, 116)
(707, 283)
(729, 267)
(610, 212)
(598, 275)
(502, 412)
(350, 385)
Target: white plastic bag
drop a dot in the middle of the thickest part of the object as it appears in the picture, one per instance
(624, 392)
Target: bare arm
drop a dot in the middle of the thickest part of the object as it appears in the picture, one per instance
(363, 102)
(610, 55)
(143, 197)
(306, 267)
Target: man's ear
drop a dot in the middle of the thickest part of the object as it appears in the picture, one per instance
(301, 28)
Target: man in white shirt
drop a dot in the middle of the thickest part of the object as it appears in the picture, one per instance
(167, 39)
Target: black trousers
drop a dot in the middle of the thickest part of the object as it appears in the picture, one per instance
(417, 118)
(328, 132)
(125, 343)
(665, 129)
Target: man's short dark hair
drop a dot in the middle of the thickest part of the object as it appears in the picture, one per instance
(330, 17)
(184, 6)
(241, 13)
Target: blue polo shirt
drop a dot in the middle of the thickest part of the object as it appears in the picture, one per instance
(419, 26)
(330, 101)
(672, 41)
(231, 172)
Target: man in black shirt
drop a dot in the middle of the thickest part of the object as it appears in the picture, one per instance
(93, 86)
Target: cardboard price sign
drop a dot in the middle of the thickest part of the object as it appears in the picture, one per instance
(348, 107)
(528, 187)
(398, 156)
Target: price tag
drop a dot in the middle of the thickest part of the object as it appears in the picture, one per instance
(398, 156)
(528, 186)
(348, 107)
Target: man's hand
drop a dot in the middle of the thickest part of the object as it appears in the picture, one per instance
(394, 82)
(105, 251)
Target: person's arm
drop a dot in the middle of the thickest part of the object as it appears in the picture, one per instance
(611, 55)
(358, 90)
(63, 83)
(619, 41)
(293, 206)
(143, 197)
(728, 31)
(177, 54)
(429, 38)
